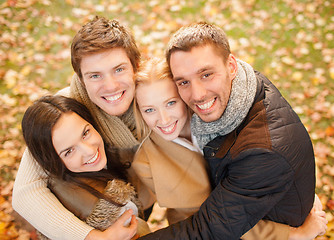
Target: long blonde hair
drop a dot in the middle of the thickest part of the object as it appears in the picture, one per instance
(150, 71)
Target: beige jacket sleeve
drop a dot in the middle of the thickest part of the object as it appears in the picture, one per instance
(268, 230)
(33, 200)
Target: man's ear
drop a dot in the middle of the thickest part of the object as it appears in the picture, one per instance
(232, 66)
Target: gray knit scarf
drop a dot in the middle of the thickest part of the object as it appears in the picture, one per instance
(240, 101)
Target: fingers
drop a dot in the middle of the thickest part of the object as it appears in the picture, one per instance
(134, 220)
(317, 205)
(133, 227)
(320, 213)
(322, 221)
(124, 217)
(323, 231)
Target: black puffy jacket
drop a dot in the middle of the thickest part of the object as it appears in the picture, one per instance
(265, 169)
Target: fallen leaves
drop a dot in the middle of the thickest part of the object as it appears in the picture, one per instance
(290, 41)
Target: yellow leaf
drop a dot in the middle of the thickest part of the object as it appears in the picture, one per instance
(213, 11)
(70, 2)
(249, 59)
(315, 80)
(331, 72)
(3, 227)
(10, 78)
(297, 76)
(26, 70)
(284, 21)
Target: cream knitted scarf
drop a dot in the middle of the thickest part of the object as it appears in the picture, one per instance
(241, 99)
(117, 131)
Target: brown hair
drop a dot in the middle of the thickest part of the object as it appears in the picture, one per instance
(37, 124)
(199, 34)
(99, 35)
(150, 71)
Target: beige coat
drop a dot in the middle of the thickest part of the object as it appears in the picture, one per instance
(178, 177)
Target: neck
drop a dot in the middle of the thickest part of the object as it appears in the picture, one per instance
(186, 131)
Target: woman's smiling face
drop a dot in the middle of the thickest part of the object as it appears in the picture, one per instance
(78, 144)
(162, 108)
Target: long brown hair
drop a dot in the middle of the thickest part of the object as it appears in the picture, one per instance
(37, 124)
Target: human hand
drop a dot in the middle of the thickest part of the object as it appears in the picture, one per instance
(117, 231)
(317, 205)
(315, 224)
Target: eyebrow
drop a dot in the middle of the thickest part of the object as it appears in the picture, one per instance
(83, 131)
(201, 70)
(171, 99)
(115, 67)
(123, 63)
(90, 73)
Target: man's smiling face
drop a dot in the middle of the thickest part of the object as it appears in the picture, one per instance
(108, 77)
(203, 80)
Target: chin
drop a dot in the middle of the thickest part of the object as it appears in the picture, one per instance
(209, 117)
(116, 111)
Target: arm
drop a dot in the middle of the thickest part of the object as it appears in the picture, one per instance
(117, 230)
(266, 229)
(238, 202)
(37, 204)
(315, 224)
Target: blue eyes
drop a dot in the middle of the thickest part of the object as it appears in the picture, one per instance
(94, 76)
(98, 76)
(119, 70)
(171, 103)
(149, 110)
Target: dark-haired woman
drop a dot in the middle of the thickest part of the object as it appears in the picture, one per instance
(63, 138)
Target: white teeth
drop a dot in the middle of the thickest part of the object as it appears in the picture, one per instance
(206, 105)
(114, 97)
(93, 159)
(169, 128)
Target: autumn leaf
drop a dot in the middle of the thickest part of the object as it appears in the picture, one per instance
(291, 42)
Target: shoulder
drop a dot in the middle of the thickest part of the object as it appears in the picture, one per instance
(64, 92)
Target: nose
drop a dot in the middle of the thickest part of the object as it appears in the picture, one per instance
(111, 83)
(164, 117)
(198, 91)
(87, 148)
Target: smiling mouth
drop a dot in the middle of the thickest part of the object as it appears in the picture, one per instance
(92, 160)
(206, 105)
(169, 129)
(115, 97)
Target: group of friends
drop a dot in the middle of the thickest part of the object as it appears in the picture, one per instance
(199, 132)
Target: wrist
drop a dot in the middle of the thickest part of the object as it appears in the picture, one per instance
(295, 234)
(93, 235)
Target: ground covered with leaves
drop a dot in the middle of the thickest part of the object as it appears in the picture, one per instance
(290, 41)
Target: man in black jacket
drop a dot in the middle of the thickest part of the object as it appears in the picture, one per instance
(260, 154)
